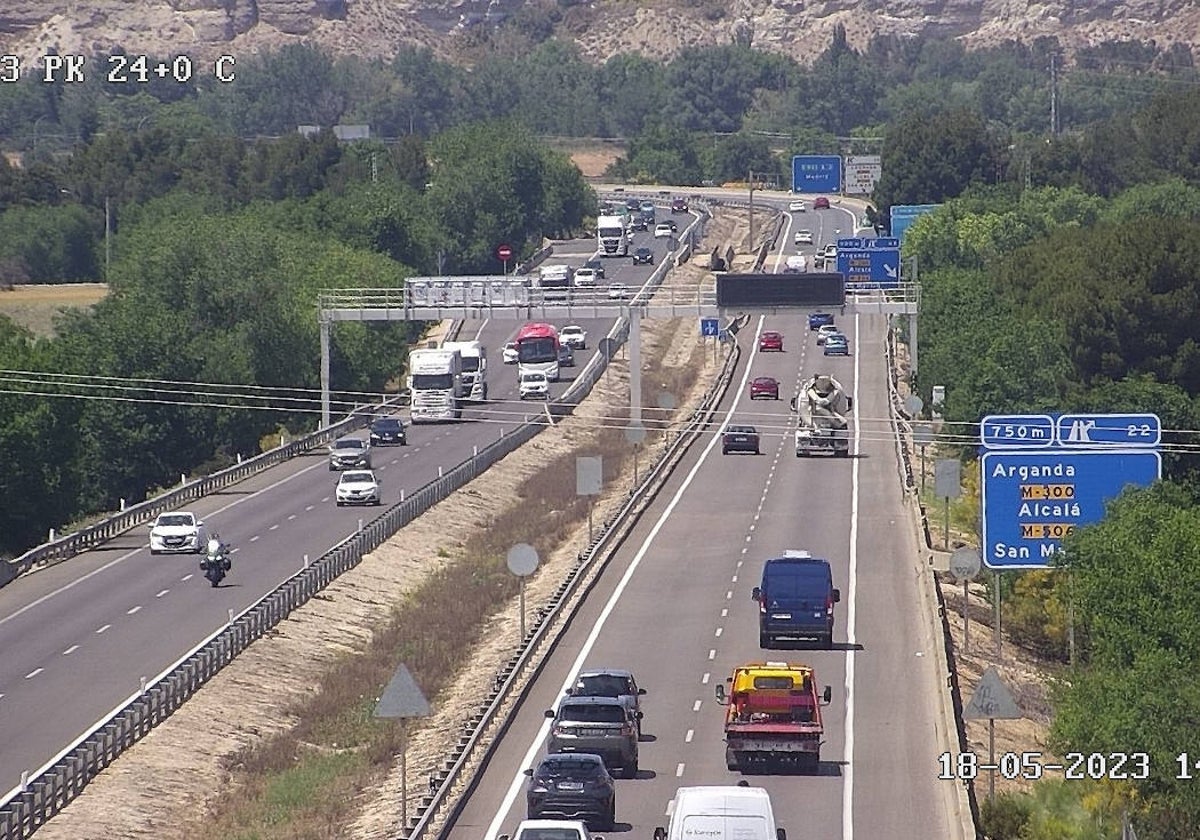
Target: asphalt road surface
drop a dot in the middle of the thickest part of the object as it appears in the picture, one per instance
(675, 608)
(79, 637)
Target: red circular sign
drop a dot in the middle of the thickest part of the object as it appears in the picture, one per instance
(504, 252)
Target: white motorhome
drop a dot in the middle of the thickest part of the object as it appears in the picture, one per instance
(474, 368)
(612, 236)
(721, 812)
(435, 380)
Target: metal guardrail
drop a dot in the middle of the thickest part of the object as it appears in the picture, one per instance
(70, 545)
(51, 788)
(539, 642)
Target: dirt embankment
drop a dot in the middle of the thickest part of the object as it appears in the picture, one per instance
(161, 788)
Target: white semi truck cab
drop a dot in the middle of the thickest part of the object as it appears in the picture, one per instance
(435, 380)
(474, 368)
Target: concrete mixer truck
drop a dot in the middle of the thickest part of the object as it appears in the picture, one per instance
(824, 417)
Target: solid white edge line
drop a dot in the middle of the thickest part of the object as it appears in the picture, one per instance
(851, 612)
(514, 787)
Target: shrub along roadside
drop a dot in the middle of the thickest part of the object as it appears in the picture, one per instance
(303, 782)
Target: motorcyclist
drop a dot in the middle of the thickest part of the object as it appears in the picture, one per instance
(218, 552)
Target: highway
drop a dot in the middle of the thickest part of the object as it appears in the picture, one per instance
(687, 572)
(79, 637)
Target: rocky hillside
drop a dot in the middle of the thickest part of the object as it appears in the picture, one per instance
(204, 29)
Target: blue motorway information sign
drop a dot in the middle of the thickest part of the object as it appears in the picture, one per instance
(866, 263)
(1031, 500)
(903, 215)
(816, 174)
(709, 327)
(1102, 430)
(1017, 431)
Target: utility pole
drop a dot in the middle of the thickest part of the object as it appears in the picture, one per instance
(1053, 95)
(107, 237)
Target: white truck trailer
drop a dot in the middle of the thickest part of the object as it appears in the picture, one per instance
(435, 380)
(474, 368)
(824, 417)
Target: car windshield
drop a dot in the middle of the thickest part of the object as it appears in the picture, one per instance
(572, 331)
(570, 767)
(603, 685)
(357, 477)
(589, 713)
(178, 518)
(349, 443)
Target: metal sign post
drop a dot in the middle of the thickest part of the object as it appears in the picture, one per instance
(992, 702)
(401, 700)
(522, 562)
(947, 484)
(965, 564)
(589, 478)
(635, 434)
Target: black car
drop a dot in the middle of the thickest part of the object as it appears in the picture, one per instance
(639, 223)
(572, 786)
(643, 256)
(740, 439)
(385, 430)
(566, 356)
(597, 265)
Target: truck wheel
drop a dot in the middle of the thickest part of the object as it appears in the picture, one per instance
(731, 762)
(485, 393)
(764, 641)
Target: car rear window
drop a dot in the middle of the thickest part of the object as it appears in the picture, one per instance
(589, 713)
(349, 443)
(603, 685)
(793, 580)
(570, 767)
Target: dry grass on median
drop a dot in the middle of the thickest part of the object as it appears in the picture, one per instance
(303, 782)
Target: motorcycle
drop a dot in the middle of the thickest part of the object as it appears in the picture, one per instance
(216, 563)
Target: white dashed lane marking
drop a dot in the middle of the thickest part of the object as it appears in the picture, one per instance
(70, 650)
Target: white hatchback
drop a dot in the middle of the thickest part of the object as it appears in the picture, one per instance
(534, 385)
(826, 330)
(510, 353)
(662, 231)
(804, 237)
(796, 207)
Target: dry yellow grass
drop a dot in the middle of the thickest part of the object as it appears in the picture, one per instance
(35, 307)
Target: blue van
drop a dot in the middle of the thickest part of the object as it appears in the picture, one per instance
(795, 600)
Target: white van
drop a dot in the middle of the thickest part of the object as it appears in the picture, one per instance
(721, 812)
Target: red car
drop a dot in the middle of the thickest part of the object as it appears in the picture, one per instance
(821, 203)
(765, 388)
(771, 341)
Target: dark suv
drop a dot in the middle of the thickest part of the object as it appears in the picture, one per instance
(597, 265)
(600, 725)
(612, 682)
(643, 256)
(574, 786)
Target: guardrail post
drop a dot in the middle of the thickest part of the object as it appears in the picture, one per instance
(402, 494)
(306, 561)
(183, 478)
(142, 686)
(360, 523)
(24, 780)
(51, 539)
(439, 471)
(122, 508)
(230, 621)
(474, 451)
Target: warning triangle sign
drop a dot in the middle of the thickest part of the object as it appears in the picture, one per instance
(992, 700)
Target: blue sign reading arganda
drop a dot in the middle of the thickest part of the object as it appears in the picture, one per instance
(1032, 500)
